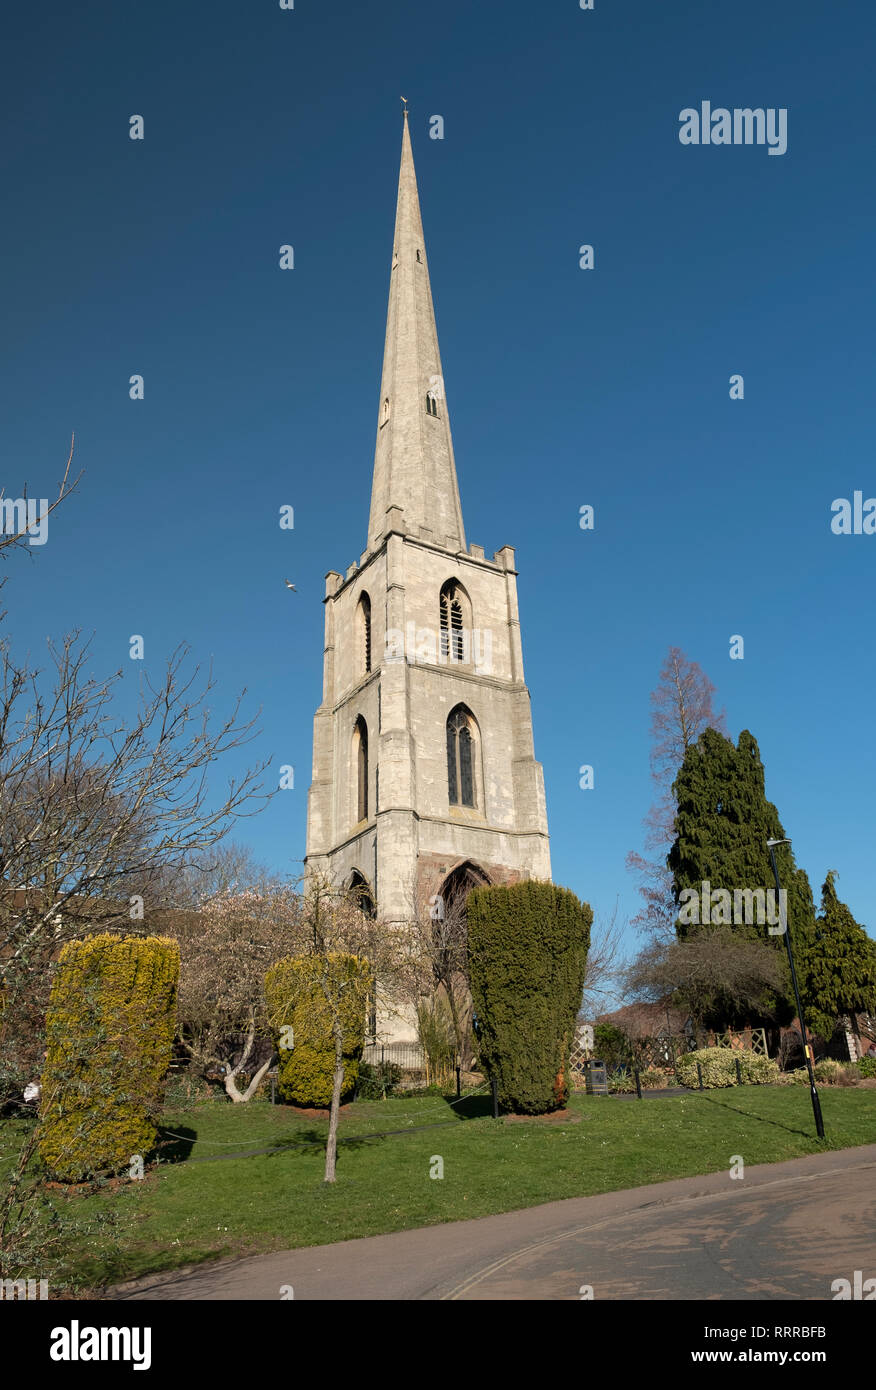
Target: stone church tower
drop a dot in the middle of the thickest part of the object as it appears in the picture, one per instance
(424, 775)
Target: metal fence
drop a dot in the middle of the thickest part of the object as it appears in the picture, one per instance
(407, 1055)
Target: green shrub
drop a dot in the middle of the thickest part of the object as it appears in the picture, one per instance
(528, 947)
(849, 1075)
(758, 1070)
(109, 1035)
(611, 1045)
(656, 1079)
(828, 1071)
(377, 1080)
(867, 1066)
(621, 1083)
(305, 994)
(719, 1068)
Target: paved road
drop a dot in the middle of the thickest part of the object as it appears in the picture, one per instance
(785, 1231)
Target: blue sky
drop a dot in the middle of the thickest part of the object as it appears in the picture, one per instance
(610, 387)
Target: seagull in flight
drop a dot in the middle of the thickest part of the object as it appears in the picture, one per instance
(290, 586)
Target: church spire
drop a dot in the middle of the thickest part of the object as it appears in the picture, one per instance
(413, 460)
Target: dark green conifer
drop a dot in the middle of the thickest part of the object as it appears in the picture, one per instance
(723, 823)
(839, 974)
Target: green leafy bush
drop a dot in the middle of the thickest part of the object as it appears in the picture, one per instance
(719, 1068)
(377, 1080)
(528, 947)
(850, 1074)
(611, 1045)
(656, 1079)
(828, 1071)
(109, 1034)
(867, 1066)
(621, 1083)
(304, 995)
(758, 1070)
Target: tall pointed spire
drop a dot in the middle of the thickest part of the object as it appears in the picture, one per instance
(414, 469)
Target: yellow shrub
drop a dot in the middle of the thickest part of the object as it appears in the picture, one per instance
(304, 994)
(109, 1034)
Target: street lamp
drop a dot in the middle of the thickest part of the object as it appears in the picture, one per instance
(807, 1050)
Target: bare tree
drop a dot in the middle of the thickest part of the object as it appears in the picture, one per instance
(226, 948)
(225, 868)
(436, 981)
(96, 808)
(682, 706)
(16, 512)
(713, 973)
(605, 965)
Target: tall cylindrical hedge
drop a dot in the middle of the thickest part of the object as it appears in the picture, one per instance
(303, 995)
(528, 946)
(109, 1035)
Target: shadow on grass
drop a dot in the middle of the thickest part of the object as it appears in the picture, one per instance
(310, 1139)
(471, 1107)
(750, 1115)
(174, 1145)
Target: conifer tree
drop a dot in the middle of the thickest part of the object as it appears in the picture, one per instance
(722, 825)
(839, 976)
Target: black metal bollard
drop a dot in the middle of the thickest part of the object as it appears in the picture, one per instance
(738, 1073)
(494, 1087)
(700, 1074)
(638, 1082)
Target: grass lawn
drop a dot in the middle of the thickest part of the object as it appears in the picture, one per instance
(212, 1199)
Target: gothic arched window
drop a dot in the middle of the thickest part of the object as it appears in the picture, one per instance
(385, 414)
(461, 758)
(360, 750)
(363, 633)
(454, 621)
(431, 403)
(361, 893)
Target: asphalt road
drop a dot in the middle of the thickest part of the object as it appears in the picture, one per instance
(784, 1231)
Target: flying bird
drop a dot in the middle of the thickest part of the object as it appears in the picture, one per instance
(290, 586)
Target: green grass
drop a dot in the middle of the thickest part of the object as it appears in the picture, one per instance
(191, 1210)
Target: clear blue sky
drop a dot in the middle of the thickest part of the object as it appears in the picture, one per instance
(266, 126)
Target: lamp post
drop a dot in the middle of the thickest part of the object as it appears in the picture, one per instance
(807, 1050)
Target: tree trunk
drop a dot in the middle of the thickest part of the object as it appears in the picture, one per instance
(331, 1148)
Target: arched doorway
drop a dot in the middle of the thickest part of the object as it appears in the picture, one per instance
(458, 884)
(450, 954)
(359, 890)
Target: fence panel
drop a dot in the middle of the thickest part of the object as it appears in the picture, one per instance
(407, 1055)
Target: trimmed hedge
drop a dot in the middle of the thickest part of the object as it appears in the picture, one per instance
(296, 999)
(109, 1035)
(719, 1068)
(527, 946)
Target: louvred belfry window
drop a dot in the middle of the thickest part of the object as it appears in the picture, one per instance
(452, 642)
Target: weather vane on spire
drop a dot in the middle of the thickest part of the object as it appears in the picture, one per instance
(405, 100)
